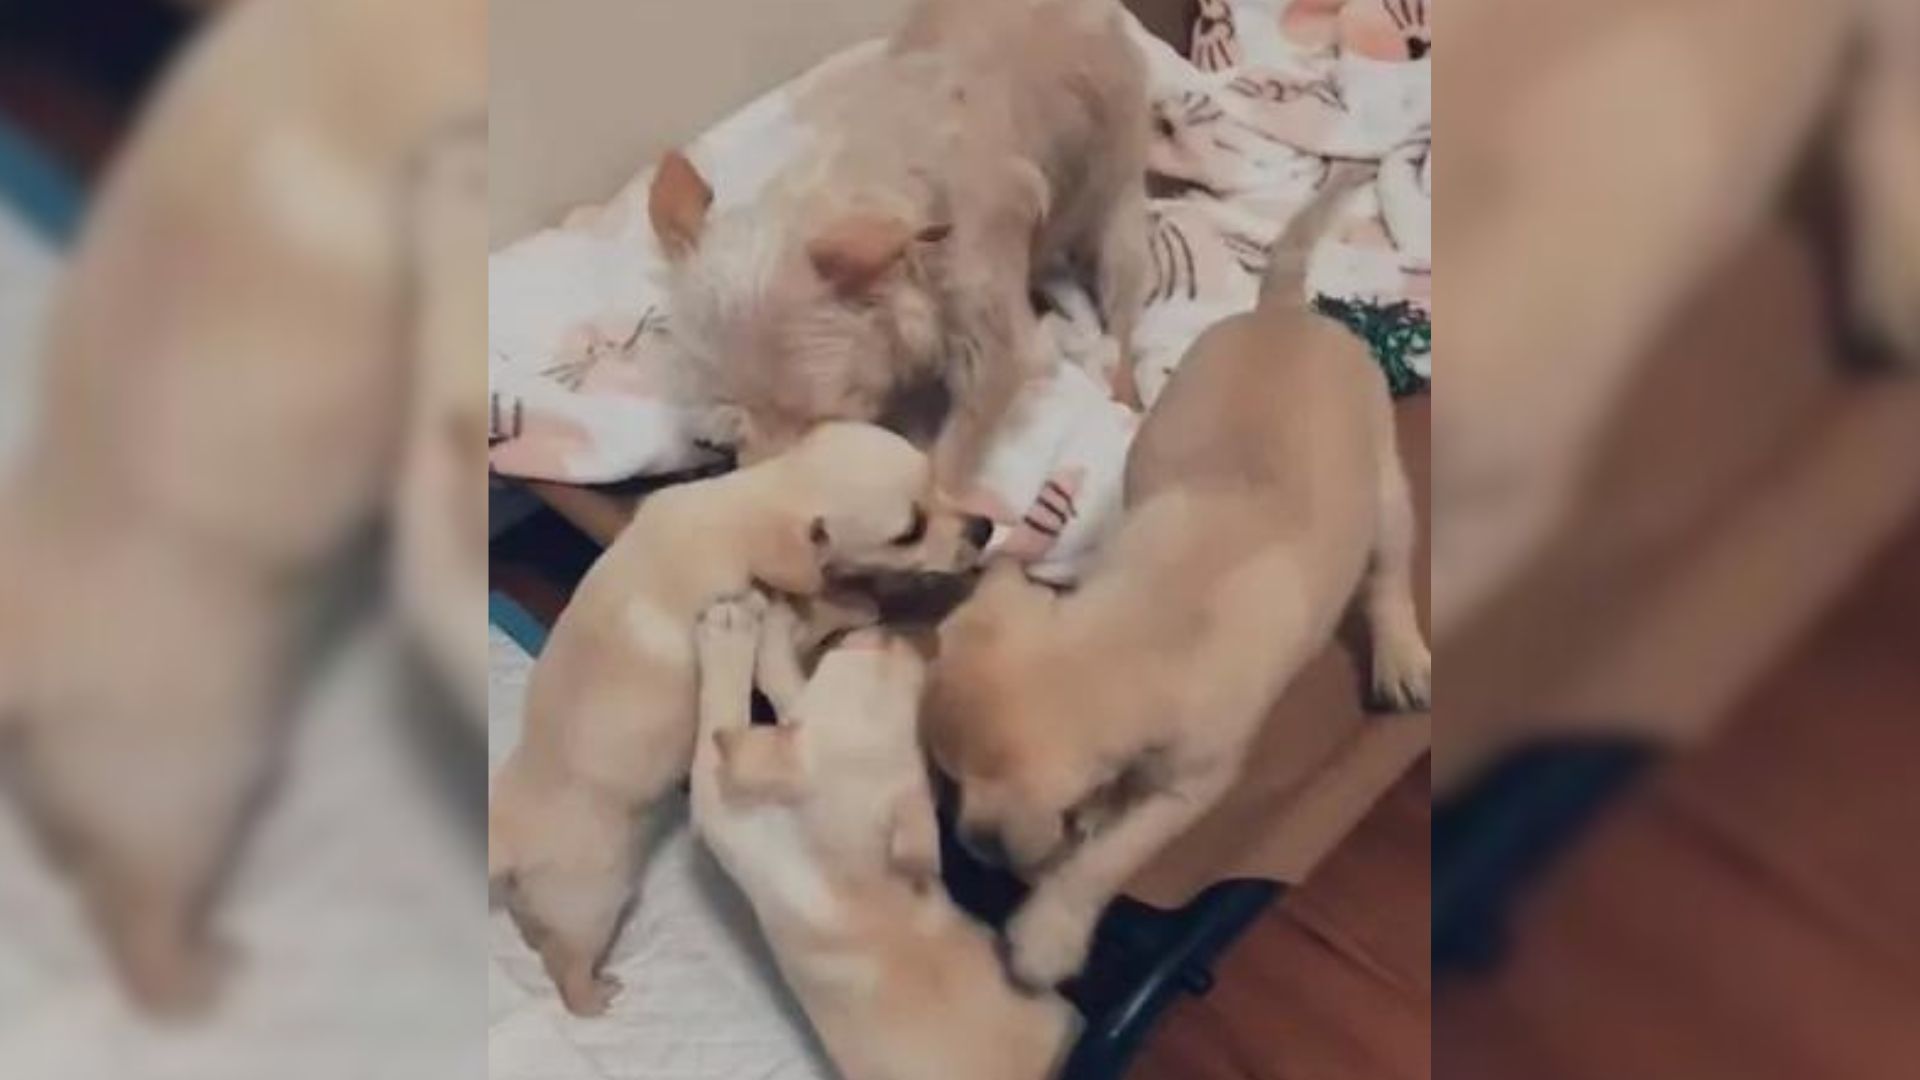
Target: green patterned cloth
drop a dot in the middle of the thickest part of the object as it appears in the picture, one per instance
(1399, 334)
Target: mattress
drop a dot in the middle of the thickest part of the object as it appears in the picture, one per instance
(702, 998)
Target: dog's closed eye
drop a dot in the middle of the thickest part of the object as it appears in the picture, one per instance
(916, 530)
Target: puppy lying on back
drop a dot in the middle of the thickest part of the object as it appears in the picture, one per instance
(994, 139)
(610, 705)
(1087, 731)
(827, 823)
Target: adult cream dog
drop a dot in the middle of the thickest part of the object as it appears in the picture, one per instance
(993, 140)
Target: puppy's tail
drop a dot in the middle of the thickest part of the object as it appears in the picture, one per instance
(1286, 278)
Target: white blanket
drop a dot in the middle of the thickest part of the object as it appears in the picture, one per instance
(585, 375)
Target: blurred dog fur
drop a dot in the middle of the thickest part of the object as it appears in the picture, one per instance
(225, 392)
(1601, 159)
(994, 140)
(611, 704)
(439, 522)
(826, 822)
(1265, 492)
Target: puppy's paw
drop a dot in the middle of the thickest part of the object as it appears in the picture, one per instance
(591, 996)
(183, 985)
(731, 625)
(1403, 674)
(1047, 943)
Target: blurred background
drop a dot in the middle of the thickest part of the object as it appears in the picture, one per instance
(1676, 745)
(353, 906)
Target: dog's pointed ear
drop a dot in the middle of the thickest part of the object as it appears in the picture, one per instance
(855, 252)
(791, 558)
(677, 204)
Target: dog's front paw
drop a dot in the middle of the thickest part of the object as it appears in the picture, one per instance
(728, 636)
(590, 996)
(1047, 942)
(732, 624)
(1403, 674)
(182, 984)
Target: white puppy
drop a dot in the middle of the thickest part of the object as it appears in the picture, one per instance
(827, 823)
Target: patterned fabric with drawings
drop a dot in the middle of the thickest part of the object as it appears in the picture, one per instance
(1245, 132)
(586, 384)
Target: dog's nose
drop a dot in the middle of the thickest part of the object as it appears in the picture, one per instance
(985, 846)
(978, 531)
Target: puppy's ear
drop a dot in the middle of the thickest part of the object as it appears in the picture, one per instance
(677, 204)
(856, 251)
(761, 764)
(790, 558)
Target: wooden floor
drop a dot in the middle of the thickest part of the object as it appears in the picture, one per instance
(1331, 985)
(1752, 911)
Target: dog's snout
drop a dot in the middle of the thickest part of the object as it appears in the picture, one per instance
(985, 846)
(978, 531)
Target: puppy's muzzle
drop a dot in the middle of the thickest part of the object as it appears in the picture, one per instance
(977, 531)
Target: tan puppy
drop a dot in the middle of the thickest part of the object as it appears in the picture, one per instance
(826, 822)
(611, 703)
(994, 139)
(1601, 159)
(1087, 731)
(225, 385)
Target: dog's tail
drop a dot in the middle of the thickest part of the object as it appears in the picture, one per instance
(1286, 277)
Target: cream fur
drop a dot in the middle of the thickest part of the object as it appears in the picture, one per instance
(827, 824)
(611, 703)
(1602, 158)
(992, 140)
(225, 385)
(1089, 730)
